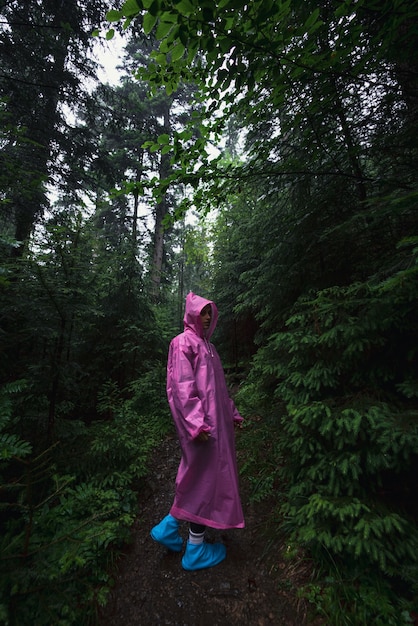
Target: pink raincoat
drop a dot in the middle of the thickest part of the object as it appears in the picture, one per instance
(207, 490)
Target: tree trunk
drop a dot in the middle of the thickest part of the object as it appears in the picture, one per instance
(161, 211)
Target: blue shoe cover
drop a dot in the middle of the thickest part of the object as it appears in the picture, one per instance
(167, 533)
(202, 555)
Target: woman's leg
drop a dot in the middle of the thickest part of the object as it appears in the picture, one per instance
(196, 533)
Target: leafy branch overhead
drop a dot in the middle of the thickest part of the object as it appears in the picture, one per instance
(290, 67)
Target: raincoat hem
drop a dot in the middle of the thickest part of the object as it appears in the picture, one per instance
(189, 517)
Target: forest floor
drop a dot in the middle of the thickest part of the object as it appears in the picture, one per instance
(256, 585)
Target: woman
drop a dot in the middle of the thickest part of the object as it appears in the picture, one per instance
(207, 491)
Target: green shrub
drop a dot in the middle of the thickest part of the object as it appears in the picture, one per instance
(342, 378)
(66, 512)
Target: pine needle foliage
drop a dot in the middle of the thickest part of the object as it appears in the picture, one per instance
(66, 512)
(342, 374)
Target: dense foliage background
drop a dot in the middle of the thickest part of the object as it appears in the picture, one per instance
(262, 154)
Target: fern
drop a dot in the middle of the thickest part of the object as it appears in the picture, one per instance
(11, 446)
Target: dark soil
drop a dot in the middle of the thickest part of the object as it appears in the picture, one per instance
(256, 584)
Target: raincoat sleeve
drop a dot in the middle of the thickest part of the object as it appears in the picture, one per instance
(236, 416)
(183, 396)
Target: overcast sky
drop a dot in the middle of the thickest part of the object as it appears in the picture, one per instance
(108, 54)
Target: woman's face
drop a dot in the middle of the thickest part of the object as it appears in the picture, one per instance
(206, 316)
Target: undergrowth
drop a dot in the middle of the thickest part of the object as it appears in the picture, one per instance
(66, 512)
(334, 400)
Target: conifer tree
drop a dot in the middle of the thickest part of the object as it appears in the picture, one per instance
(44, 57)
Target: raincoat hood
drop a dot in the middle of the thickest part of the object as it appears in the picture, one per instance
(192, 320)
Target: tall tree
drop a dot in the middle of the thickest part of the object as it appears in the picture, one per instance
(310, 97)
(43, 47)
(124, 124)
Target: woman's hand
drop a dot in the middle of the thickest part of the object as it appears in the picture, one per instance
(203, 436)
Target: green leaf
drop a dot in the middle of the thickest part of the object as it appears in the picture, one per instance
(177, 52)
(166, 16)
(225, 44)
(208, 14)
(170, 88)
(154, 7)
(130, 8)
(232, 4)
(312, 19)
(341, 10)
(149, 22)
(161, 59)
(113, 15)
(110, 34)
(163, 29)
(163, 139)
(185, 7)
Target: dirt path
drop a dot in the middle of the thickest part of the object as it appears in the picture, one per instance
(254, 586)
